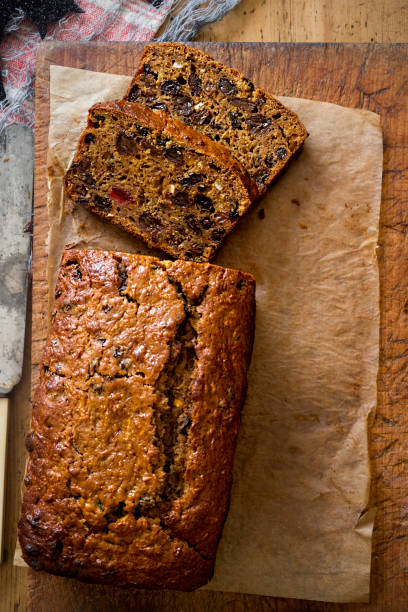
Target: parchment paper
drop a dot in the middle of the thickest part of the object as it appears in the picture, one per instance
(298, 525)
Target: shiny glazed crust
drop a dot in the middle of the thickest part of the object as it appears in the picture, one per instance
(135, 420)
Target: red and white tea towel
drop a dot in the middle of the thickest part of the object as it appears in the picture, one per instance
(108, 20)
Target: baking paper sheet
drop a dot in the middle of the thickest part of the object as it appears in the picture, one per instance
(298, 525)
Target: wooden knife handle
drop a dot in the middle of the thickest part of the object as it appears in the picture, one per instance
(3, 449)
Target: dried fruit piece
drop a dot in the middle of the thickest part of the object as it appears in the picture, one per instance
(183, 105)
(181, 199)
(218, 234)
(206, 222)
(244, 104)
(174, 153)
(134, 93)
(204, 202)
(170, 87)
(281, 153)
(147, 70)
(262, 176)
(201, 118)
(193, 223)
(192, 179)
(149, 221)
(235, 121)
(270, 161)
(258, 124)
(227, 87)
(120, 195)
(126, 144)
(90, 138)
(195, 84)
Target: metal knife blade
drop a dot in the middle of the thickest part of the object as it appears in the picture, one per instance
(16, 192)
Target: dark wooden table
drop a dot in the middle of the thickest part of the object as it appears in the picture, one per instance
(374, 77)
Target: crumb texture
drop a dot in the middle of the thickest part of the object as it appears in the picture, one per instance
(255, 127)
(135, 420)
(158, 179)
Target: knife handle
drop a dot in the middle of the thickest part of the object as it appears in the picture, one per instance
(3, 449)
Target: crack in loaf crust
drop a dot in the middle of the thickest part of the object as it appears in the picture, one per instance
(158, 179)
(259, 131)
(135, 420)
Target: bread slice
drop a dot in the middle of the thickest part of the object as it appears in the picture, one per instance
(158, 179)
(261, 133)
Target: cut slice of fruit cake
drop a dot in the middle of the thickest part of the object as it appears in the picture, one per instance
(259, 131)
(158, 179)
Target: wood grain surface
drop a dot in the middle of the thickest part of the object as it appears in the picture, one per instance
(312, 21)
(366, 76)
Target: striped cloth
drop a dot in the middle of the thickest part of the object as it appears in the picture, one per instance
(136, 20)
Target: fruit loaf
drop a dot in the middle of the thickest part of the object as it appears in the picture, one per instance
(135, 420)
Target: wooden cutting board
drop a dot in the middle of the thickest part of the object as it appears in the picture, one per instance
(364, 76)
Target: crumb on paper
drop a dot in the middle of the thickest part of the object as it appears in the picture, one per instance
(303, 225)
(6, 159)
(295, 201)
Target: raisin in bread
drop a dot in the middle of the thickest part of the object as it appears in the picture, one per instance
(158, 179)
(135, 420)
(261, 133)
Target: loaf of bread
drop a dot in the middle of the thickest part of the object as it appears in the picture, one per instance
(158, 179)
(261, 133)
(135, 420)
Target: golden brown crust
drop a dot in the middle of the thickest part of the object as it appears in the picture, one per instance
(294, 137)
(135, 420)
